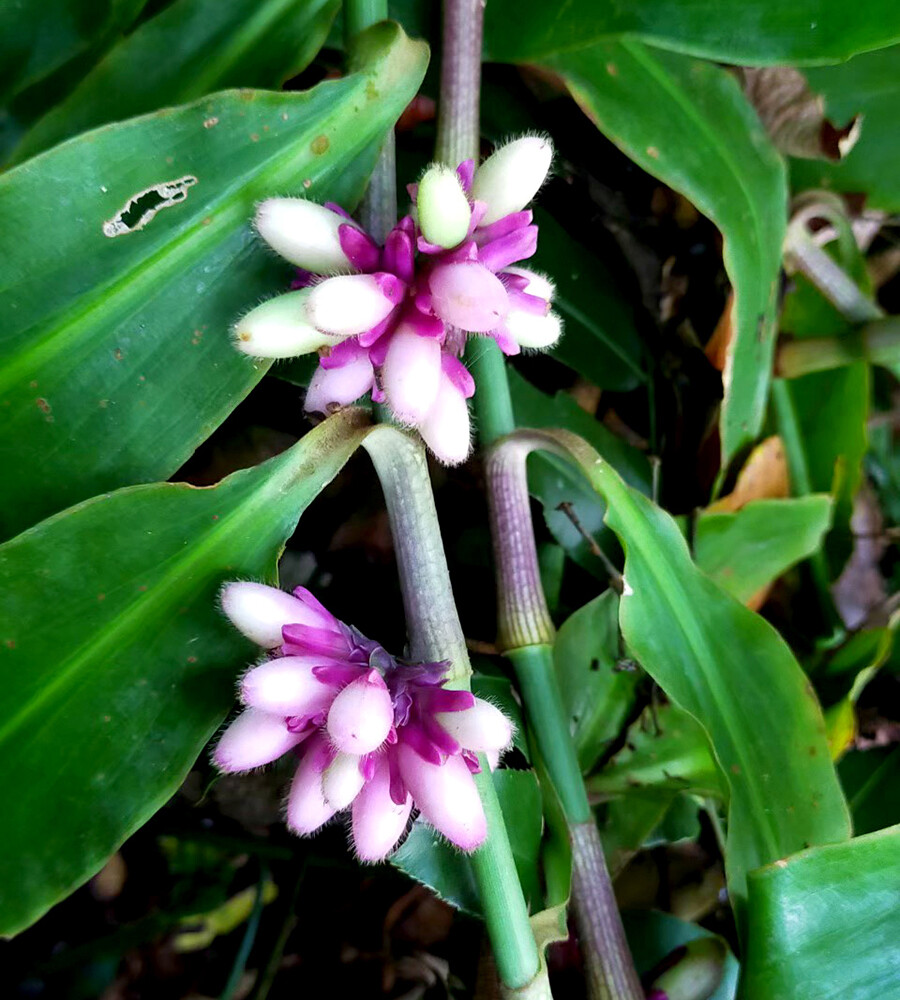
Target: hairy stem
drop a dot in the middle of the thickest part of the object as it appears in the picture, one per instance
(435, 634)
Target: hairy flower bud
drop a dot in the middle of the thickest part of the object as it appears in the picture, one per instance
(411, 374)
(482, 727)
(307, 809)
(467, 295)
(443, 209)
(361, 716)
(339, 386)
(447, 428)
(512, 176)
(305, 233)
(260, 612)
(279, 328)
(530, 330)
(447, 797)
(350, 304)
(253, 739)
(378, 821)
(287, 686)
(342, 781)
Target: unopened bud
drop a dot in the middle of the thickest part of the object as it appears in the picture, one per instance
(530, 330)
(287, 686)
(361, 716)
(467, 295)
(512, 176)
(411, 374)
(482, 727)
(378, 821)
(279, 328)
(342, 781)
(339, 386)
(305, 233)
(254, 738)
(538, 284)
(446, 429)
(349, 305)
(443, 209)
(260, 612)
(307, 809)
(696, 972)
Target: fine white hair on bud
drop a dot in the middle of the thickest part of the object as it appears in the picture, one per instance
(307, 809)
(305, 233)
(538, 284)
(530, 330)
(378, 822)
(348, 305)
(511, 176)
(260, 612)
(442, 207)
(338, 386)
(411, 374)
(286, 686)
(481, 727)
(361, 716)
(279, 328)
(342, 781)
(446, 428)
(254, 738)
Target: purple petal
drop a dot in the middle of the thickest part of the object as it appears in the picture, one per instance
(302, 640)
(471, 759)
(442, 700)
(465, 172)
(460, 376)
(398, 256)
(502, 227)
(517, 245)
(361, 250)
(415, 738)
(303, 279)
(398, 787)
(314, 604)
(440, 737)
(509, 345)
(344, 353)
(367, 765)
(379, 330)
(524, 302)
(336, 674)
(390, 286)
(334, 207)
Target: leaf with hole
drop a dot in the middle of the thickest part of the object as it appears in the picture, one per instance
(115, 354)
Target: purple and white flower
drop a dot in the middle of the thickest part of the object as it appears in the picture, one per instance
(372, 733)
(392, 321)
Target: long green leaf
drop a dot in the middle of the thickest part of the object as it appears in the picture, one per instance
(749, 32)
(117, 663)
(825, 924)
(192, 48)
(688, 123)
(732, 672)
(115, 360)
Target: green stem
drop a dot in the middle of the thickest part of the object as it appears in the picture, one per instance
(435, 634)
(877, 342)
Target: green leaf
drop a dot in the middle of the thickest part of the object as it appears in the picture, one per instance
(39, 36)
(115, 352)
(600, 341)
(597, 692)
(752, 32)
(824, 924)
(192, 48)
(553, 480)
(118, 665)
(746, 551)
(666, 751)
(732, 672)
(426, 857)
(867, 85)
(871, 779)
(688, 123)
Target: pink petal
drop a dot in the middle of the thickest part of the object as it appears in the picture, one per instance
(469, 296)
(333, 387)
(378, 821)
(253, 739)
(307, 809)
(447, 797)
(361, 716)
(287, 686)
(411, 374)
(447, 428)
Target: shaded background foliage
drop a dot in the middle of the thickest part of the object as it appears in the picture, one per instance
(115, 370)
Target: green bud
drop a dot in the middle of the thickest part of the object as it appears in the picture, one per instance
(443, 209)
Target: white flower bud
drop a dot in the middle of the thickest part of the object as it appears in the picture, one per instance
(482, 727)
(287, 686)
(443, 209)
(538, 284)
(361, 716)
(530, 330)
(260, 612)
(342, 781)
(304, 233)
(279, 328)
(254, 738)
(446, 429)
(512, 176)
(349, 305)
(411, 374)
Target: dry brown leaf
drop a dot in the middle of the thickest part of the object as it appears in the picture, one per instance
(763, 477)
(717, 346)
(794, 116)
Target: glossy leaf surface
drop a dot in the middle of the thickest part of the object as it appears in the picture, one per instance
(117, 663)
(192, 48)
(868, 85)
(115, 358)
(746, 551)
(597, 687)
(824, 924)
(687, 123)
(752, 32)
(732, 672)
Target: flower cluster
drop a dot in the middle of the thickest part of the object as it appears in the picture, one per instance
(372, 733)
(393, 320)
